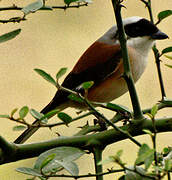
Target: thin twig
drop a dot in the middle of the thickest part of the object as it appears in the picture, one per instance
(16, 8)
(137, 172)
(156, 51)
(41, 125)
(85, 175)
(168, 176)
(19, 19)
(13, 20)
(154, 140)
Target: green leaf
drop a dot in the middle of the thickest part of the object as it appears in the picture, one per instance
(9, 36)
(168, 164)
(167, 50)
(108, 160)
(168, 65)
(143, 149)
(87, 85)
(150, 115)
(19, 128)
(29, 171)
(119, 153)
(63, 154)
(130, 175)
(71, 167)
(86, 1)
(118, 107)
(74, 97)
(13, 112)
(65, 117)
(144, 156)
(144, 152)
(164, 14)
(148, 161)
(33, 7)
(23, 112)
(169, 57)
(158, 168)
(154, 110)
(46, 76)
(61, 72)
(114, 107)
(47, 160)
(36, 114)
(4, 116)
(49, 114)
(147, 131)
(166, 150)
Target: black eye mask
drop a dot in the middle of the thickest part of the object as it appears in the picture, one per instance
(140, 28)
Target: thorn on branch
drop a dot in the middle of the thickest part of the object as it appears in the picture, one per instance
(19, 19)
(13, 20)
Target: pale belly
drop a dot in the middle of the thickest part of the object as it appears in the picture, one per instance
(108, 91)
(115, 85)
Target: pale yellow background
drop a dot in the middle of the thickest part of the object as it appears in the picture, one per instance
(51, 40)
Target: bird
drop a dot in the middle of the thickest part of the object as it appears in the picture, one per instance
(102, 63)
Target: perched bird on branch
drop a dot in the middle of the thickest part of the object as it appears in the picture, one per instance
(102, 63)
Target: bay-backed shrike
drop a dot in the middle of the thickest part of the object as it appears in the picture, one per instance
(102, 63)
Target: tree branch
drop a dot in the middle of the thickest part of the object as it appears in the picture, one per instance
(127, 71)
(97, 151)
(24, 151)
(19, 19)
(16, 8)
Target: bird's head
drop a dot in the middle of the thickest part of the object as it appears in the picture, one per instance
(135, 28)
(140, 27)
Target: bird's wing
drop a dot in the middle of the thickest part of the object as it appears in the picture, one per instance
(96, 64)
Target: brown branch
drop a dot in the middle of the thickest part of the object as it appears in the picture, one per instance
(16, 8)
(19, 19)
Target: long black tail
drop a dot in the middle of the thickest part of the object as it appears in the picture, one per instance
(58, 99)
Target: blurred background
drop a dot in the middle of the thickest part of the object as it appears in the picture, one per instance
(54, 39)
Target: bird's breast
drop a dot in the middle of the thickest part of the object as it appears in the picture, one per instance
(114, 86)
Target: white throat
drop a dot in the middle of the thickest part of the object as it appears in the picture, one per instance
(141, 44)
(140, 48)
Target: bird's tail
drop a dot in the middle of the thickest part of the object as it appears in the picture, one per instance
(56, 102)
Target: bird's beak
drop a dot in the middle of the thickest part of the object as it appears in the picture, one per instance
(159, 35)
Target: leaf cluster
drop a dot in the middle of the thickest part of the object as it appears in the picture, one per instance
(53, 161)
